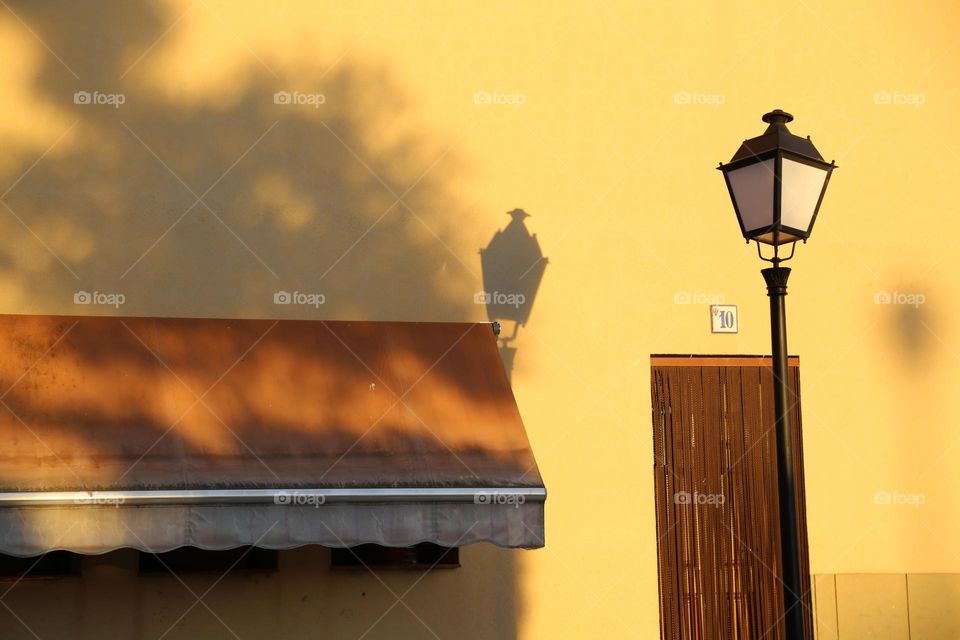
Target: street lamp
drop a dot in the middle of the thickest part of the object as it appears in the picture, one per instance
(776, 182)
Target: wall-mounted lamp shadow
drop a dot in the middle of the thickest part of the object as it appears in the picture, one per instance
(512, 266)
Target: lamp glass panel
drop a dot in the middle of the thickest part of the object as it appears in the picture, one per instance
(752, 188)
(801, 186)
(781, 238)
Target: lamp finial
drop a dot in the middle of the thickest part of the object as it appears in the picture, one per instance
(777, 116)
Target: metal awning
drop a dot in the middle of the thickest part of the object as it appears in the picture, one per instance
(155, 433)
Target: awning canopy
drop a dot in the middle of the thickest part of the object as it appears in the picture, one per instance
(155, 433)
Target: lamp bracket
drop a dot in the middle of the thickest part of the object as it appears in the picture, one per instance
(776, 259)
(502, 337)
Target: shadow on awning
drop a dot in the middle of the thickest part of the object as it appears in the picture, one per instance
(155, 433)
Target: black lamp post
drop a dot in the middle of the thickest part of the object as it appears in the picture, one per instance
(777, 181)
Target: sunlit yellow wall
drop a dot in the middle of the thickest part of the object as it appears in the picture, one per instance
(615, 115)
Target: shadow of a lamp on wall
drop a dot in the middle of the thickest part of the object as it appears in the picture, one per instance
(512, 266)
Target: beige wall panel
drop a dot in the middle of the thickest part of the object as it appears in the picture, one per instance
(825, 606)
(872, 606)
(934, 606)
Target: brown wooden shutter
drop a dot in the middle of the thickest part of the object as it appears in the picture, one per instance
(715, 468)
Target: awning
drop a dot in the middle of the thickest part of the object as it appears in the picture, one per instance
(155, 433)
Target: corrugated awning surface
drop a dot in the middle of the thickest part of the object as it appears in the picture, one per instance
(155, 433)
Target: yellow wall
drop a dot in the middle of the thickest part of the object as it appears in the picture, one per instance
(303, 599)
(618, 174)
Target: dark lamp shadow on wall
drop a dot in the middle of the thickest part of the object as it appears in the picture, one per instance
(512, 266)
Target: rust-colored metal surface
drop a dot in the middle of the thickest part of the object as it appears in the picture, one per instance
(715, 471)
(717, 361)
(139, 403)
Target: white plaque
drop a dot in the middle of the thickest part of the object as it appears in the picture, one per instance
(723, 318)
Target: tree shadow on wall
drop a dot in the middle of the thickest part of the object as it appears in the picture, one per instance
(211, 207)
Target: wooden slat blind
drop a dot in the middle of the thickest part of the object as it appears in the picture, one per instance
(715, 471)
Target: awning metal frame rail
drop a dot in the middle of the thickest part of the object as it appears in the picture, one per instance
(279, 497)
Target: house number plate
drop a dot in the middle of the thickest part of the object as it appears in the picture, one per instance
(723, 318)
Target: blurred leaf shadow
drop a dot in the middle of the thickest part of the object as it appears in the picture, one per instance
(212, 208)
